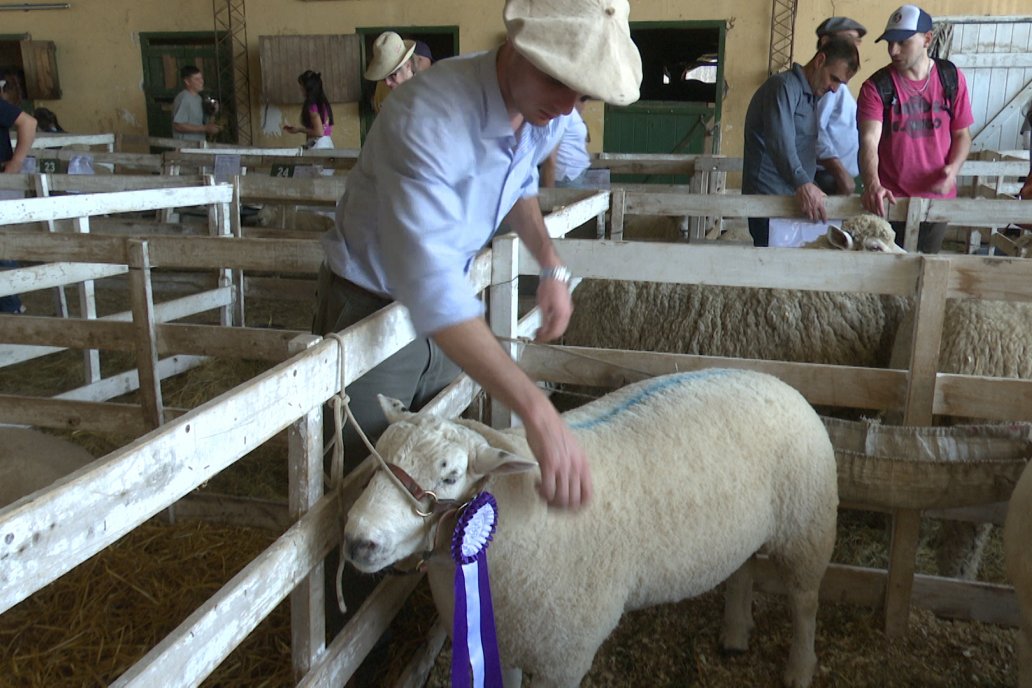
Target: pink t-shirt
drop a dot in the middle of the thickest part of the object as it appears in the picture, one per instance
(327, 129)
(916, 138)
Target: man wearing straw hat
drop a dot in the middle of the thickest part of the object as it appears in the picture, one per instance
(394, 61)
(450, 157)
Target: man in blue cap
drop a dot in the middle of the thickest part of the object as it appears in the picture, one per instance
(914, 117)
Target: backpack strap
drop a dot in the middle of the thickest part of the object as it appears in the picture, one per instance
(886, 90)
(950, 82)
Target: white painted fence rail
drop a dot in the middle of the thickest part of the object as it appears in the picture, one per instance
(44, 535)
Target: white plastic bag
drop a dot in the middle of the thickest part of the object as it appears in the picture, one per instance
(786, 232)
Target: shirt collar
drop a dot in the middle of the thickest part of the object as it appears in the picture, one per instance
(797, 70)
(496, 116)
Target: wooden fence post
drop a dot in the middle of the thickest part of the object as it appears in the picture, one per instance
(142, 298)
(616, 223)
(917, 211)
(929, 312)
(504, 301)
(305, 466)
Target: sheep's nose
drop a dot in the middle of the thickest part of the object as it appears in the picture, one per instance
(360, 549)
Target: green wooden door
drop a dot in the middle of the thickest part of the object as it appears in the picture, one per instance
(682, 93)
(656, 127)
(163, 56)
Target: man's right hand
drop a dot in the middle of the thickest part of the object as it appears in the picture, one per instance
(874, 199)
(565, 474)
(212, 128)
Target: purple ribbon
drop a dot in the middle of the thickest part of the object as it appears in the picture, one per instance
(474, 644)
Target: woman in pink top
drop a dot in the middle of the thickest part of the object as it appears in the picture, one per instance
(316, 113)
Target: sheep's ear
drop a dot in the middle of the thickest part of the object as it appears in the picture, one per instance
(393, 409)
(490, 459)
(840, 238)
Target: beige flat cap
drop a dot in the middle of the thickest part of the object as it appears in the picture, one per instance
(586, 44)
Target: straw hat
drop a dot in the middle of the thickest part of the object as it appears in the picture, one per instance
(389, 53)
(586, 44)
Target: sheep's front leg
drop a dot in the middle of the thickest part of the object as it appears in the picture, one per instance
(960, 553)
(738, 620)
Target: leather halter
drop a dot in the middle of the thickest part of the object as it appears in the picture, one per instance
(437, 506)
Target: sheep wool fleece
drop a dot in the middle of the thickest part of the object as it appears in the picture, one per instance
(836, 328)
(805, 326)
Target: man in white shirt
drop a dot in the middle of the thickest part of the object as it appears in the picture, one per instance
(838, 141)
(569, 162)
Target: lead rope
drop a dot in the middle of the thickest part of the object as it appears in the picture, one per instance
(341, 408)
(525, 341)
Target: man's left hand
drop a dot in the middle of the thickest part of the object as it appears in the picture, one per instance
(811, 202)
(553, 299)
(946, 182)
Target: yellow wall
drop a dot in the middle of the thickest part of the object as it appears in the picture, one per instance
(100, 66)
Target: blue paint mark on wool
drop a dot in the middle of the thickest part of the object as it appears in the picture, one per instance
(647, 393)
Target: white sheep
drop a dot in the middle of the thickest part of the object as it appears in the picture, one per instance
(693, 474)
(31, 460)
(783, 324)
(1017, 538)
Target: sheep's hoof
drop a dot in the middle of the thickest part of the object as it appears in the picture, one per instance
(734, 639)
(800, 674)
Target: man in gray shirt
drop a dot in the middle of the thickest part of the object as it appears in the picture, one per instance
(781, 131)
(188, 120)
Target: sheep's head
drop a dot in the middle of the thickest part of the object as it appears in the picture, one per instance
(445, 457)
(864, 232)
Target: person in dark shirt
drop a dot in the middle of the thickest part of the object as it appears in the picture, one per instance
(11, 160)
(781, 132)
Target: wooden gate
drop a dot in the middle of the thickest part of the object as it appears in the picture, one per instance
(995, 54)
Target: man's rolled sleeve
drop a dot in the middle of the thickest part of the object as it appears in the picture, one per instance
(422, 215)
(826, 108)
(779, 132)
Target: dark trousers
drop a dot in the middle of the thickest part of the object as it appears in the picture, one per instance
(825, 181)
(929, 235)
(414, 375)
(759, 229)
(12, 303)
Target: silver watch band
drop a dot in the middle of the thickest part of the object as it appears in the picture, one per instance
(560, 273)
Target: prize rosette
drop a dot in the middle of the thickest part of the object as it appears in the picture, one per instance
(474, 644)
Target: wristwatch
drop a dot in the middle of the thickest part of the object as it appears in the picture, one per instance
(560, 273)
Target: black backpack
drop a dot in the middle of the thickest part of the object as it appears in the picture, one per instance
(887, 89)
